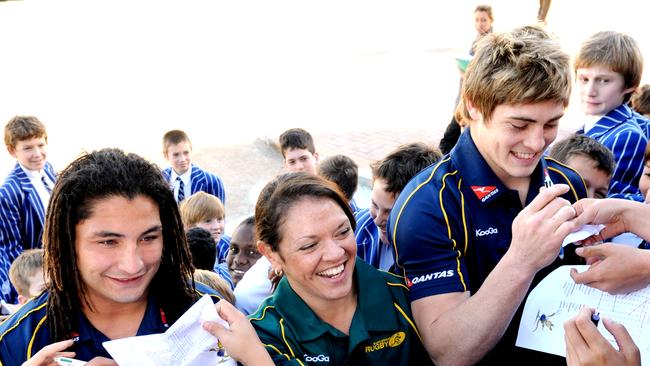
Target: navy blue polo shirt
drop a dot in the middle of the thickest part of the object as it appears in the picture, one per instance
(452, 223)
(26, 331)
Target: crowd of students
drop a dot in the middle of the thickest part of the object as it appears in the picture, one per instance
(435, 271)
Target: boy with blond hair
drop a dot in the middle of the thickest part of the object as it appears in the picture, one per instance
(608, 69)
(207, 212)
(475, 232)
(24, 195)
(27, 276)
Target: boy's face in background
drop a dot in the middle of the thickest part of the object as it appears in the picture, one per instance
(482, 22)
(36, 283)
(300, 160)
(600, 90)
(30, 153)
(597, 181)
(180, 156)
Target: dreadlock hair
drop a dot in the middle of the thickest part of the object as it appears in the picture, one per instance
(95, 176)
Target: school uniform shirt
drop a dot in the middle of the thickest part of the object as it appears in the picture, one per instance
(222, 249)
(622, 131)
(22, 217)
(370, 248)
(353, 206)
(222, 270)
(26, 331)
(452, 224)
(200, 180)
(382, 331)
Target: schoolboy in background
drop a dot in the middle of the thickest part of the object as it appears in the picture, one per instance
(608, 68)
(185, 177)
(389, 176)
(243, 253)
(24, 195)
(593, 161)
(476, 231)
(204, 254)
(207, 212)
(298, 151)
(344, 172)
(26, 274)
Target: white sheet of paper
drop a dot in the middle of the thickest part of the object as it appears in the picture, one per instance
(584, 232)
(558, 298)
(185, 343)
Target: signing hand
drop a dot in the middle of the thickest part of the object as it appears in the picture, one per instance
(540, 228)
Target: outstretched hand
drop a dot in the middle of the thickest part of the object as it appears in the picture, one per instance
(614, 268)
(586, 346)
(240, 341)
(45, 356)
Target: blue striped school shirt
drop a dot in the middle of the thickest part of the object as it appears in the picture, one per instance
(621, 132)
(22, 217)
(201, 180)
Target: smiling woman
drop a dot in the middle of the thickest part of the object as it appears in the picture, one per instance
(329, 306)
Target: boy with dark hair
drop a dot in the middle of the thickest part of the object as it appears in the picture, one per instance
(24, 195)
(608, 69)
(389, 176)
(202, 248)
(185, 177)
(298, 151)
(344, 172)
(116, 261)
(205, 253)
(474, 232)
(593, 161)
(243, 253)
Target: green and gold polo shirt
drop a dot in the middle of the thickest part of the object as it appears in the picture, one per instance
(382, 330)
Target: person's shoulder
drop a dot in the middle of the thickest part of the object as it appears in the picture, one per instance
(362, 214)
(395, 283)
(426, 190)
(12, 180)
(427, 182)
(266, 316)
(203, 289)
(20, 327)
(564, 174)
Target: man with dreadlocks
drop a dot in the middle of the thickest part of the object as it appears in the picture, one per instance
(117, 262)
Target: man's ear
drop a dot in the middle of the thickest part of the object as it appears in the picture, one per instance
(473, 111)
(316, 157)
